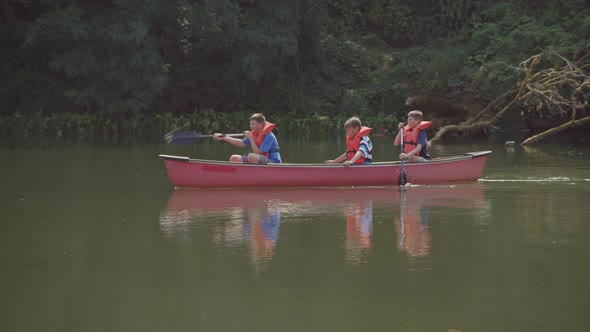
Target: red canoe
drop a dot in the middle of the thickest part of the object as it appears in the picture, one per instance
(196, 173)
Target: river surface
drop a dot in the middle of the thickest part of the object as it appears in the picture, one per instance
(95, 238)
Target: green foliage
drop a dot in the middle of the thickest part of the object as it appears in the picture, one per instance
(92, 126)
(383, 124)
(139, 66)
(106, 62)
(510, 36)
(383, 22)
(268, 36)
(452, 14)
(314, 125)
(354, 102)
(417, 71)
(348, 61)
(399, 23)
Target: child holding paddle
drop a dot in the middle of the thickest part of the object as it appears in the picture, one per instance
(265, 148)
(414, 138)
(359, 149)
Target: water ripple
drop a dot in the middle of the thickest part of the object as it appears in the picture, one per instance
(536, 180)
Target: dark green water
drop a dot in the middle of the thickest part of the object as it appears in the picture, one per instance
(94, 238)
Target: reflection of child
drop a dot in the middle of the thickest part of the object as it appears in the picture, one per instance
(415, 140)
(261, 230)
(414, 235)
(359, 226)
(359, 149)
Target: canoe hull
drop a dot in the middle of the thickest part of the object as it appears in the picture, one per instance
(195, 173)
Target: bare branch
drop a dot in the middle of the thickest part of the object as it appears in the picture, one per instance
(563, 89)
(555, 130)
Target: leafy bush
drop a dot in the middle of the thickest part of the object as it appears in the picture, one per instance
(511, 35)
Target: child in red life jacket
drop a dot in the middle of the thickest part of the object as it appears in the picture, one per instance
(414, 149)
(359, 149)
(265, 148)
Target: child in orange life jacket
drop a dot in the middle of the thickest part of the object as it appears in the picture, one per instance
(415, 140)
(265, 148)
(359, 149)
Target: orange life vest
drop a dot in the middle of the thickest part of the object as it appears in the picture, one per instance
(354, 143)
(259, 138)
(411, 135)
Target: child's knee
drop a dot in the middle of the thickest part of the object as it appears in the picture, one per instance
(253, 158)
(236, 158)
(418, 159)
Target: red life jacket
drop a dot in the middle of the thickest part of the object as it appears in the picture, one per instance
(411, 135)
(259, 138)
(353, 144)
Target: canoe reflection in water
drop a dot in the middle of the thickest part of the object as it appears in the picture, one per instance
(232, 218)
(253, 217)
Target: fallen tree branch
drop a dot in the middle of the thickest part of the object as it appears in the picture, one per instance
(555, 130)
(561, 89)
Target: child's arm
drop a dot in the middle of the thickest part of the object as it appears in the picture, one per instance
(411, 153)
(356, 156)
(341, 158)
(230, 140)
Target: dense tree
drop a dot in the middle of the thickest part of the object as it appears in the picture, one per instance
(307, 62)
(88, 56)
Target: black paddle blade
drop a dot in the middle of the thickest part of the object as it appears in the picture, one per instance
(181, 137)
(403, 178)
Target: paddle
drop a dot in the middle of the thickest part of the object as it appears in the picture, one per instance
(179, 136)
(402, 213)
(403, 179)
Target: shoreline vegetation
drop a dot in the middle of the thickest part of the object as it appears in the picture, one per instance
(104, 69)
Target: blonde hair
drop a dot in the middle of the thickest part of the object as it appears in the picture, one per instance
(415, 114)
(258, 117)
(353, 122)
